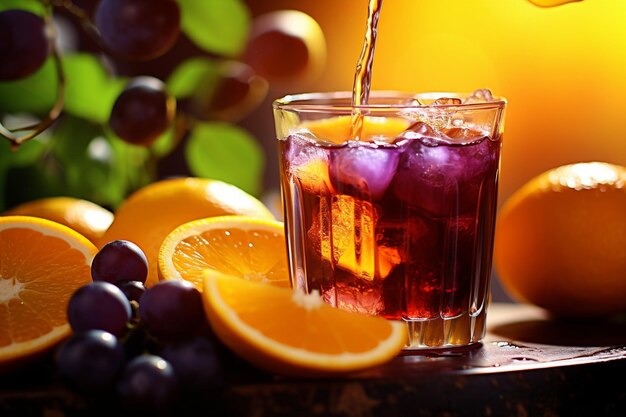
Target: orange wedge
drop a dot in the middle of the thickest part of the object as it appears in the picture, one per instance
(294, 334)
(41, 264)
(244, 246)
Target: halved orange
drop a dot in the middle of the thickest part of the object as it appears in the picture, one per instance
(41, 264)
(291, 333)
(244, 246)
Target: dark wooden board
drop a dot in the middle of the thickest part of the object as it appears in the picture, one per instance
(529, 365)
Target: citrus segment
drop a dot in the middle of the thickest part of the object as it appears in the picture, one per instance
(41, 264)
(243, 246)
(87, 218)
(296, 334)
(149, 214)
(338, 129)
(560, 240)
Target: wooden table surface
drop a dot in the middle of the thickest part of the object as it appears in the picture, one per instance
(529, 365)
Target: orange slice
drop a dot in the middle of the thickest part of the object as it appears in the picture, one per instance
(290, 333)
(41, 264)
(243, 246)
(338, 129)
(87, 218)
(150, 213)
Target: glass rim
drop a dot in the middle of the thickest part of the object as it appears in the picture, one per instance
(313, 102)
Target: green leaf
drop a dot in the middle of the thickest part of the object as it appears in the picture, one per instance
(217, 26)
(94, 166)
(225, 152)
(90, 91)
(165, 143)
(28, 153)
(131, 163)
(10, 159)
(30, 182)
(35, 94)
(188, 76)
(34, 6)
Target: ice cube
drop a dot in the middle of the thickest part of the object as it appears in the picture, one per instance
(446, 101)
(352, 294)
(363, 170)
(421, 131)
(445, 179)
(465, 135)
(344, 232)
(302, 148)
(308, 164)
(482, 95)
(433, 114)
(397, 236)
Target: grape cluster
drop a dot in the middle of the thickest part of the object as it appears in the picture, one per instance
(283, 46)
(140, 30)
(147, 347)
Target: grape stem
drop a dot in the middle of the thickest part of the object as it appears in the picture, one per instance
(57, 108)
(83, 19)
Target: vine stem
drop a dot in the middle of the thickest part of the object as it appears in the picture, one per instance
(83, 19)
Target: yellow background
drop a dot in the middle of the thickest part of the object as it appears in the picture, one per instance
(562, 70)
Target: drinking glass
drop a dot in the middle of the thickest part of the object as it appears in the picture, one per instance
(390, 207)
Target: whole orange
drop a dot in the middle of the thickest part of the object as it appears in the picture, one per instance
(561, 241)
(87, 218)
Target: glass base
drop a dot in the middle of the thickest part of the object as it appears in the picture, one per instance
(446, 333)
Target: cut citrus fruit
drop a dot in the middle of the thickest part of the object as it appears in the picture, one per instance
(152, 212)
(41, 264)
(243, 246)
(296, 334)
(560, 238)
(87, 218)
(338, 129)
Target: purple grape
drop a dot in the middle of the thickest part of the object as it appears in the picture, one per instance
(99, 305)
(120, 261)
(197, 364)
(148, 383)
(24, 44)
(138, 29)
(91, 360)
(142, 112)
(133, 290)
(171, 310)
